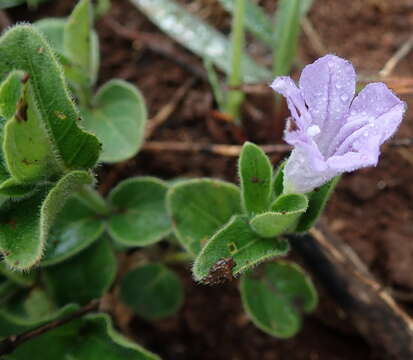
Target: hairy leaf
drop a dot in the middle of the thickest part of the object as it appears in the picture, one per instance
(198, 208)
(237, 241)
(284, 214)
(24, 48)
(276, 295)
(255, 172)
(75, 228)
(25, 225)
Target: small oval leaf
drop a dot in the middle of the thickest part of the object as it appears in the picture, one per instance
(255, 172)
(198, 208)
(152, 291)
(140, 216)
(118, 119)
(276, 295)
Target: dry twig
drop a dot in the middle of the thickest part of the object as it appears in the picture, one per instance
(217, 149)
(378, 318)
(398, 55)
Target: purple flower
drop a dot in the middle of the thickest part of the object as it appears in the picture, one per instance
(331, 132)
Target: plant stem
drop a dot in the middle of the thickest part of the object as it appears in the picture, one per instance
(235, 97)
(9, 344)
(178, 258)
(94, 200)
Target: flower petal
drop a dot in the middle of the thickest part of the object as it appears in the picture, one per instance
(286, 87)
(374, 100)
(384, 108)
(328, 87)
(350, 161)
(305, 169)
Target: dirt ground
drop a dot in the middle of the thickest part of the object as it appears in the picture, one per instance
(372, 210)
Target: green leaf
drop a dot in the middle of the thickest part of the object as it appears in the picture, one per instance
(53, 30)
(4, 4)
(284, 214)
(118, 119)
(24, 48)
(87, 338)
(317, 201)
(75, 228)
(24, 229)
(287, 23)
(198, 208)
(237, 241)
(24, 313)
(81, 45)
(255, 172)
(13, 188)
(140, 217)
(275, 297)
(85, 277)
(199, 37)
(152, 291)
(21, 278)
(28, 153)
(256, 21)
(11, 89)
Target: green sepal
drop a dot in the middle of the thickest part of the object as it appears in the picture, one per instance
(255, 172)
(276, 295)
(152, 291)
(118, 119)
(278, 181)
(200, 207)
(24, 48)
(284, 214)
(238, 241)
(317, 201)
(90, 337)
(75, 228)
(140, 216)
(25, 225)
(84, 277)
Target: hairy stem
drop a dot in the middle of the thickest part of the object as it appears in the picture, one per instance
(9, 344)
(94, 200)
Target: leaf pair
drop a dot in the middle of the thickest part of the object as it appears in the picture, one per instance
(117, 113)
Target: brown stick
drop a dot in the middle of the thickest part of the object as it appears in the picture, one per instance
(217, 149)
(9, 344)
(374, 313)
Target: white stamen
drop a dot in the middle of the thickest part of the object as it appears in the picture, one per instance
(313, 130)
